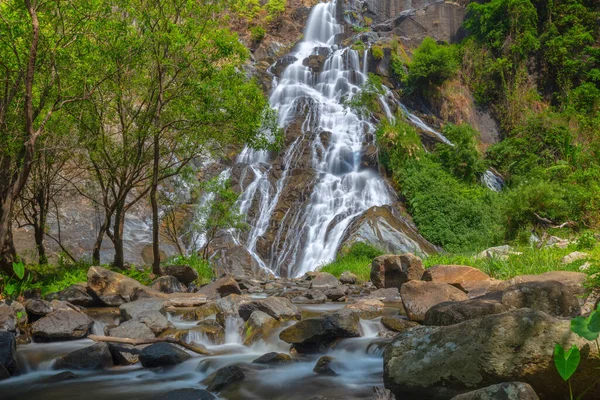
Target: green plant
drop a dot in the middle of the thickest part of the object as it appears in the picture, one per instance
(356, 259)
(432, 64)
(566, 363)
(19, 269)
(199, 264)
(257, 33)
(377, 52)
(586, 241)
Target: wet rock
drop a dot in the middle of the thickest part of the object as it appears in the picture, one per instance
(314, 62)
(4, 374)
(395, 270)
(273, 358)
(501, 391)
(366, 308)
(313, 334)
(389, 295)
(459, 276)
(222, 287)
(281, 64)
(61, 325)
(132, 329)
(279, 308)
(348, 278)
(454, 312)
(77, 294)
(154, 320)
(337, 293)
(212, 330)
(324, 281)
(550, 297)
(380, 393)
(441, 362)
(162, 355)
(398, 324)
(8, 352)
(137, 308)
(112, 288)
(224, 377)
(184, 273)
(124, 354)
(20, 313)
(419, 296)
(8, 319)
(259, 326)
(60, 377)
(316, 295)
(168, 284)
(223, 308)
(38, 307)
(185, 394)
(94, 357)
(323, 366)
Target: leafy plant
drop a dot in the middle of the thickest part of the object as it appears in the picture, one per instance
(377, 52)
(586, 241)
(257, 33)
(566, 363)
(19, 269)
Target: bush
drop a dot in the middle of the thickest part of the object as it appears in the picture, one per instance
(257, 33)
(463, 160)
(377, 52)
(432, 64)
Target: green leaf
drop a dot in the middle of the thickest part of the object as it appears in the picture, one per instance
(588, 328)
(566, 362)
(19, 269)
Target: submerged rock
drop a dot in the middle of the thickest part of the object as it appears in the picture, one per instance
(391, 270)
(61, 325)
(162, 355)
(224, 377)
(501, 391)
(323, 366)
(93, 357)
(60, 377)
(273, 358)
(419, 296)
(185, 394)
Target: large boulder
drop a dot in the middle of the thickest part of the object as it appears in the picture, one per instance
(222, 287)
(324, 281)
(366, 308)
(316, 334)
(224, 377)
(456, 275)
(227, 307)
(550, 297)
(112, 288)
(279, 308)
(259, 326)
(184, 273)
(441, 362)
(573, 280)
(8, 352)
(348, 278)
(392, 270)
(77, 294)
(38, 307)
(162, 355)
(124, 354)
(61, 325)
(501, 391)
(132, 329)
(137, 308)
(454, 312)
(419, 296)
(96, 356)
(168, 284)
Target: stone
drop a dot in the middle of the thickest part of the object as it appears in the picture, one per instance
(459, 276)
(8, 352)
(60, 377)
(281, 64)
(184, 273)
(77, 294)
(501, 391)
(324, 281)
(366, 308)
(337, 293)
(441, 362)
(154, 320)
(222, 287)
(132, 329)
(185, 394)
(20, 313)
(223, 308)
(112, 288)
(500, 252)
(124, 354)
(348, 278)
(38, 307)
(454, 312)
(4, 374)
(8, 319)
(279, 308)
(162, 355)
(61, 325)
(419, 296)
(398, 324)
(316, 295)
(224, 377)
(574, 256)
(550, 297)
(574, 280)
(136, 308)
(168, 284)
(212, 330)
(395, 270)
(313, 334)
(273, 358)
(389, 295)
(259, 326)
(323, 366)
(94, 357)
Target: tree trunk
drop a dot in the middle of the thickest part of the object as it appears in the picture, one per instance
(99, 239)
(154, 201)
(39, 227)
(117, 236)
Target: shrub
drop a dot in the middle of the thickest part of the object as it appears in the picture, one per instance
(377, 52)
(257, 33)
(463, 160)
(432, 64)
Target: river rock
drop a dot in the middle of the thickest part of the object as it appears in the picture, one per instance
(227, 307)
(273, 358)
(323, 366)
(94, 357)
(8, 319)
(279, 308)
(316, 296)
(154, 320)
(185, 394)
(348, 278)
(162, 355)
(224, 377)
(168, 284)
(398, 324)
(366, 308)
(222, 287)
(459, 276)
(212, 330)
(124, 354)
(38, 307)
(61, 325)
(501, 391)
(20, 313)
(184, 273)
(454, 312)
(259, 326)
(574, 280)
(315, 334)
(77, 294)
(4, 374)
(60, 377)
(337, 293)
(136, 308)
(395, 270)
(132, 329)
(441, 362)
(112, 288)
(551, 297)
(324, 281)
(419, 296)
(8, 352)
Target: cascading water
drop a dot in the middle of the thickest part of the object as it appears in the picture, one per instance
(342, 190)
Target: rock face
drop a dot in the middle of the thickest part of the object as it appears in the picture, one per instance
(550, 297)
(454, 312)
(441, 362)
(112, 288)
(8, 352)
(184, 273)
(61, 325)
(501, 391)
(395, 270)
(93, 357)
(456, 275)
(419, 296)
(224, 377)
(162, 355)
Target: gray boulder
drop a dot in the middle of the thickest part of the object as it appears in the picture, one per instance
(348, 278)
(112, 288)
(501, 391)
(61, 325)
(124, 354)
(454, 312)
(8, 352)
(550, 297)
(184, 273)
(162, 355)
(94, 357)
(77, 294)
(222, 287)
(8, 319)
(224, 377)
(324, 281)
(168, 284)
(136, 308)
(279, 308)
(395, 270)
(133, 330)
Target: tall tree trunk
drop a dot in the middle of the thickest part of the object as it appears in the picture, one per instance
(99, 239)
(40, 226)
(117, 236)
(154, 201)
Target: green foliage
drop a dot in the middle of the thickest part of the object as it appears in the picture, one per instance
(377, 52)
(586, 241)
(462, 160)
(358, 46)
(357, 260)
(587, 327)
(366, 101)
(399, 68)
(432, 64)
(566, 362)
(257, 33)
(199, 264)
(19, 269)
(275, 8)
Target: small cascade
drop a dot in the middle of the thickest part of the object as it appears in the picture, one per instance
(233, 330)
(371, 327)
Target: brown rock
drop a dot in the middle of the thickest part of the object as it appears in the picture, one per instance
(395, 270)
(259, 326)
(454, 312)
(550, 297)
(397, 323)
(112, 288)
(419, 296)
(455, 275)
(222, 287)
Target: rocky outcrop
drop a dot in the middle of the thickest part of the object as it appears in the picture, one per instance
(93, 357)
(393, 271)
(419, 296)
(441, 362)
(501, 391)
(162, 355)
(61, 325)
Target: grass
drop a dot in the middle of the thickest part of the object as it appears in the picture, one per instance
(357, 260)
